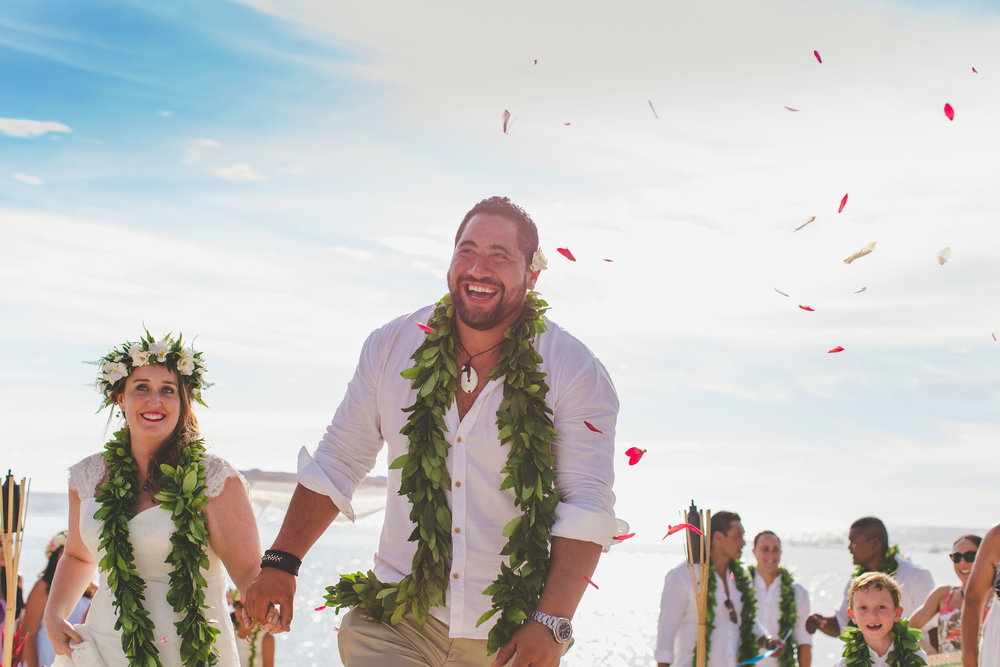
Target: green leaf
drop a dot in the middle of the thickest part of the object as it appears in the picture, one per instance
(512, 525)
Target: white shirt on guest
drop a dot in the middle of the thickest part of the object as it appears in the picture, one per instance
(769, 613)
(915, 584)
(372, 412)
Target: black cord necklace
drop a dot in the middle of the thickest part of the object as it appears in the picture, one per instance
(468, 378)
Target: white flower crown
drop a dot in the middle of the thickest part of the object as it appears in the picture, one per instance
(117, 364)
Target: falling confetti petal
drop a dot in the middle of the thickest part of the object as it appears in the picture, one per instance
(859, 291)
(780, 292)
(790, 108)
(608, 260)
(634, 454)
(655, 115)
(336, 629)
(163, 640)
(994, 336)
(424, 327)
(843, 203)
(861, 253)
(321, 608)
(506, 120)
(836, 349)
(536, 61)
(809, 308)
(623, 537)
(949, 112)
(818, 59)
(593, 428)
(565, 123)
(566, 253)
(679, 527)
(944, 255)
(804, 224)
(975, 71)
(589, 581)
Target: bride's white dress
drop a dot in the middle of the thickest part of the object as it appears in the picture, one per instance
(149, 532)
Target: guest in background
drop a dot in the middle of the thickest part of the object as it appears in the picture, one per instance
(946, 601)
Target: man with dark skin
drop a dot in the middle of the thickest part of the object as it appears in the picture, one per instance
(868, 542)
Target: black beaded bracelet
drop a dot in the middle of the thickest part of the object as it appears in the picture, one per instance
(281, 560)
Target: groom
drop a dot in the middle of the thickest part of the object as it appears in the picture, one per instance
(495, 264)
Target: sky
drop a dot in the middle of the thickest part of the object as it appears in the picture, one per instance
(277, 179)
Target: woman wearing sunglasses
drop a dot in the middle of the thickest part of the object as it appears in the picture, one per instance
(946, 601)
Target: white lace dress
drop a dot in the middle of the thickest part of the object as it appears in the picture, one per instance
(149, 532)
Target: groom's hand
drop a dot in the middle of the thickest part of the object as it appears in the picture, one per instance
(268, 601)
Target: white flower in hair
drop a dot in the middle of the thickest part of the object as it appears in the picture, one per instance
(185, 365)
(140, 357)
(538, 261)
(113, 371)
(159, 349)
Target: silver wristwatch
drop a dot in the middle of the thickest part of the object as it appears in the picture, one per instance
(562, 629)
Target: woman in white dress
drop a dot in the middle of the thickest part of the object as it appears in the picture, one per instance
(984, 582)
(162, 521)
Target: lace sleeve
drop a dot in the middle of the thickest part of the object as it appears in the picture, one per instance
(217, 471)
(86, 475)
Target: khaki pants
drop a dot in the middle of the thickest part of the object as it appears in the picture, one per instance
(365, 643)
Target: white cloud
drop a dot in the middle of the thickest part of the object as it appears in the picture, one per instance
(28, 179)
(165, 113)
(26, 128)
(237, 173)
(197, 148)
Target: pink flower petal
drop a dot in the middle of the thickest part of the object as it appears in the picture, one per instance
(790, 108)
(679, 527)
(425, 328)
(949, 112)
(975, 71)
(608, 260)
(859, 291)
(589, 581)
(592, 427)
(506, 120)
(536, 61)
(566, 253)
(634, 454)
(623, 537)
(809, 308)
(818, 59)
(836, 349)
(565, 123)
(336, 629)
(843, 203)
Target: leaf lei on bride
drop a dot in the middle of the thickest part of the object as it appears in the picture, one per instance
(904, 653)
(183, 495)
(747, 614)
(788, 614)
(525, 426)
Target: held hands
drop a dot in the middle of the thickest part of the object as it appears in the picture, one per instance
(531, 646)
(268, 601)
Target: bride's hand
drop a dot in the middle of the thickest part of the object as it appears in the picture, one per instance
(62, 634)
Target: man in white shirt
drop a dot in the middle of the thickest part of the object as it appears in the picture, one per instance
(774, 585)
(676, 636)
(868, 542)
(495, 263)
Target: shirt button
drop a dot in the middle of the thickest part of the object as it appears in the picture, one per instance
(458, 530)
(458, 439)
(458, 484)
(455, 576)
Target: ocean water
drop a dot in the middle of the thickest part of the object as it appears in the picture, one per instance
(614, 625)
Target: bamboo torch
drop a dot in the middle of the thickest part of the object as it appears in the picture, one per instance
(15, 504)
(698, 549)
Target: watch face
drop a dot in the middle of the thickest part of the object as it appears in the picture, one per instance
(564, 631)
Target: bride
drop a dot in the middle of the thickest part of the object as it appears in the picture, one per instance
(158, 516)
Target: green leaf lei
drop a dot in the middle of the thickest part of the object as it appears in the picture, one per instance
(889, 565)
(747, 614)
(525, 426)
(183, 496)
(788, 614)
(905, 651)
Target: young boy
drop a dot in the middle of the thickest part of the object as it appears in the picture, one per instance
(874, 606)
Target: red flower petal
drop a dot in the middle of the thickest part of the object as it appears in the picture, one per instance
(949, 112)
(679, 527)
(818, 59)
(536, 61)
(975, 71)
(593, 428)
(843, 203)
(591, 582)
(634, 454)
(809, 308)
(336, 629)
(790, 108)
(506, 120)
(565, 123)
(623, 537)
(566, 253)
(836, 349)
(424, 327)
(320, 608)
(608, 260)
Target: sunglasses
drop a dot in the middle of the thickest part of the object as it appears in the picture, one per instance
(732, 611)
(969, 557)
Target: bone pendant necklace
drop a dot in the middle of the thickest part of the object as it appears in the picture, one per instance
(468, 379)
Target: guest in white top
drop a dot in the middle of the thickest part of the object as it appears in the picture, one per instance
(774, 583)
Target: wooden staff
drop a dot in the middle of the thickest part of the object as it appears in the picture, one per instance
(698, 551)
(12, 537)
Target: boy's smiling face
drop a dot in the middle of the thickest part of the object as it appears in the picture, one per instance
(875, 614)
